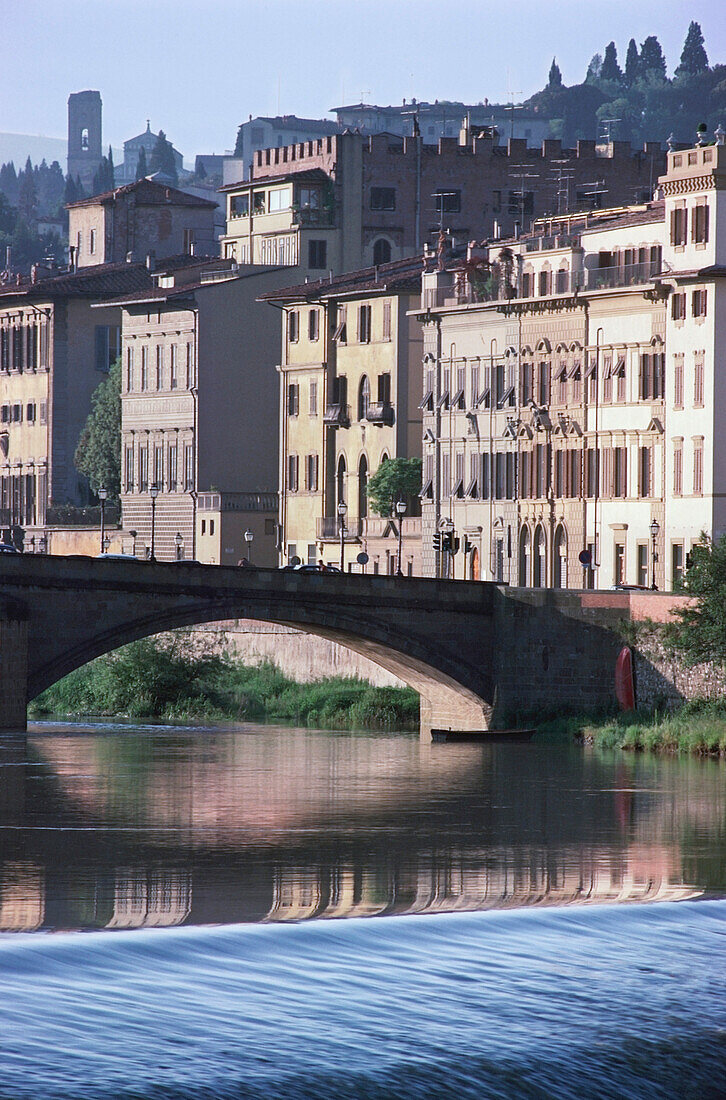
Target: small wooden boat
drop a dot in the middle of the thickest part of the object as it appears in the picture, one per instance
(482, 737)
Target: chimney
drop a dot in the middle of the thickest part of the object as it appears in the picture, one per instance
(72, 257)
(151, 262)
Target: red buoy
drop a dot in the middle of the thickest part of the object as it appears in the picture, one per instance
(624, 681)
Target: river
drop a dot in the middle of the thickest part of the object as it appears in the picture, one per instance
(520, 921)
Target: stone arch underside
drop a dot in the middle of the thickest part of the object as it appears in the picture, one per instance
(454, 691)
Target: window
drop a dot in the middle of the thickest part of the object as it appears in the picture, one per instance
(292, 473)
(259, 202)
(543, 283)
(678, 226)
(310, 198)
(92, 243)
(645, 471)
(521, 203)
(642, 564)
(293, 399)
(313, 325)
(159, 366)
(699, 224)
(317, 254)
(364, 398)
(293, 326)
(144, 368)
(678, 467)
(159, 466)
(173, 469)
(44, 412)
(129, 370)
(383, 198)
(313, 399)
(341, 331)
(279, 250)
(30, 412)
(143, 469)
(698, 382)
(651, 377)
(698, 303)
(678, 381)
(698, 466)
(676, 564)
(280, 198)
(496, 201)
(447, 201)
(188, 466)
(311, 473)
(239, 205)
(386, 333)
(16, 414)
(108, 346)
(678, 307)
(619, 564)
(190, 367)
(188, 241)
(620, 472)
(364, 324)
(129, 470)
(384, 389)
(5, 414)
(381, 252)
(173, 367)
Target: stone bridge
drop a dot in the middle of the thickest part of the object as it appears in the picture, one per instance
(478, 653)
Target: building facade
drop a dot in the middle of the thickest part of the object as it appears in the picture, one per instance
(347, 201)
(443, 118)
(271, 132)
(349, 400)
(572, 393)
(126, 172)
(138, 219)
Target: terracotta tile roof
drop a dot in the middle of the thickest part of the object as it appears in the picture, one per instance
(147, 193)
(398, 275)
(101, 281)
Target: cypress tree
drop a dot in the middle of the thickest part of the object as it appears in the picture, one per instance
(555, 77)
(652, 61)
(27, 192)
(610, 68)
(111, 173)
(694, 58)
(162, 158)
(141, 169)
(632, 64)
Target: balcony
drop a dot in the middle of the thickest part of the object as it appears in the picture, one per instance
(311, 218)
(328, 528)
(337, 416)
(623, 275)
(381, 414)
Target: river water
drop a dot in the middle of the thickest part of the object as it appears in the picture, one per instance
(520, 921)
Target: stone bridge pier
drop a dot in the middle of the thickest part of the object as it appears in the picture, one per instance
(479, 654)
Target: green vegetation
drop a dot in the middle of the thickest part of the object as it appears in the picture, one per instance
(173, 679)
(699, 631)
(698, 727)
(162, 158)
(395, 479)
(98, 454)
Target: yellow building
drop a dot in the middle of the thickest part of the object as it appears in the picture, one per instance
(350, 382)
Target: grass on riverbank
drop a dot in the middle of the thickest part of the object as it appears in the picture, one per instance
(174, 681)
(698, 728)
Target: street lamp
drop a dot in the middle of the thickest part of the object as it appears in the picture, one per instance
(654, 530)
(153, 493)
(342, 509)
(400, 512)
(249, 536)
(178, 543)
(102, 495)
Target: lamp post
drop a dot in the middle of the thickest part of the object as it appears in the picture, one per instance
(178, 543)
(249, 537)
(654, 530)
(103, 496)
(342, 509)
(153, 493)
(400, 512)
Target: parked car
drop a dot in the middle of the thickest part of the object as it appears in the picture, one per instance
(6, 548)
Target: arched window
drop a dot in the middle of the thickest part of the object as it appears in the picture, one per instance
(381, 251)
(363, 487)
(525, 547)
(84, 138)
(560, 580)
(340, 487)
(539, 580)
(364, 397)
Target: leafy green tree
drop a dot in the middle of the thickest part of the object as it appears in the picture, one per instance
(632, 64)
(652, 61)
(694, 58)
(141, 168)
(555, 77)
(700, 630)
(395, 479)
(98, 454)
(162, 158)
(610, 69)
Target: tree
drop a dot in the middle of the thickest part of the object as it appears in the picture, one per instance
(694, 58)
(555, 77)
(652, 61)
(699, 631)
(632, 64)
(594, 69)
(162, 158)
(395, 479)
(98, 454)
(141, 169)
(610, 68)
(239, 143)
(111, 172)
(27, 193)
(9, 182)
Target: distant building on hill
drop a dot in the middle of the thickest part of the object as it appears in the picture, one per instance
(126, 172)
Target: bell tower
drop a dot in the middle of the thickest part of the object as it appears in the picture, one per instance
(84, 136)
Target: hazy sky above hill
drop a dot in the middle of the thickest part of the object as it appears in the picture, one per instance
(197, 68)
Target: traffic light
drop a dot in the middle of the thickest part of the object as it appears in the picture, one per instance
(446, 543)
(455, 543)
(468, 546)
(437, 540)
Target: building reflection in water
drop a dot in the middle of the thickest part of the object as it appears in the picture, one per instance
(271, 825)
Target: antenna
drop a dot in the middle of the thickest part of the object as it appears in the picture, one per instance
(562, 176)
(521, 172)
(606, 123)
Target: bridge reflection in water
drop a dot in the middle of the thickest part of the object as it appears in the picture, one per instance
(127, 830)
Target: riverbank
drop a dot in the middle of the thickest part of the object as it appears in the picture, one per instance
(697, 728)
(176, 680)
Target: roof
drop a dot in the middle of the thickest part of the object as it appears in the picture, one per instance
(293, 122)
(148, 193)
(312, 175)
(100, 281)
(399, 275)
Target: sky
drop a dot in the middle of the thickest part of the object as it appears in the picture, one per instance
(197, 68)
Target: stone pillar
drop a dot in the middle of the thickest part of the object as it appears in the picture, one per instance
(444, 708)
(13, 668)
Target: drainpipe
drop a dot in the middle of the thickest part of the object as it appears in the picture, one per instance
(417, 205)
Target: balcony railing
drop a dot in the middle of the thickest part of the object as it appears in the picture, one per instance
(380, 413)
(623, 275)
(328, 527)
(310, 217)
(336, 416)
